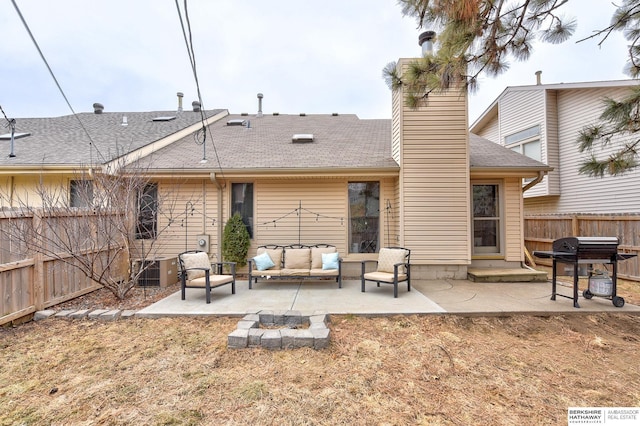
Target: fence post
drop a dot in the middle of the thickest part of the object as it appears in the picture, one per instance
(575, 228)
(38, 265)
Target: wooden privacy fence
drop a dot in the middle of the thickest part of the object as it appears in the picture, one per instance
(541, 230)
(29, 283)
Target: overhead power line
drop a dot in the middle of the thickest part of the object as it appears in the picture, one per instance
(188, 40)
(35, 43)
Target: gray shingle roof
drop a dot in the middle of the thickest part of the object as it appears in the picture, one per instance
(62, 140)
(485, 154)
(342, 142)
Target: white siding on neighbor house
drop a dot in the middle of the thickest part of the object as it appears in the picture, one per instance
(541, 205)
(550, 148)
(580, 193)
(491, 131)
(520, 110)
(396, 108)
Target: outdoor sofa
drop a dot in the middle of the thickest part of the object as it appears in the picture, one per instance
(297, 261)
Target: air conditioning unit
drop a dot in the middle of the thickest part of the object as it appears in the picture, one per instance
(159, 272)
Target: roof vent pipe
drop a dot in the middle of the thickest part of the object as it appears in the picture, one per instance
(98, 108)
(12, 124)
(180, 95)
(538, 79)
(196, 106)
(260, 96)
(426, 41)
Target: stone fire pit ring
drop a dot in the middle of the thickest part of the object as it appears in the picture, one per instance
(281, 330)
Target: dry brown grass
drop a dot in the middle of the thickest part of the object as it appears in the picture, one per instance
(397, 370)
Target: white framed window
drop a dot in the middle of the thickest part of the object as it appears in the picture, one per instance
(487, 214)
(526, 142)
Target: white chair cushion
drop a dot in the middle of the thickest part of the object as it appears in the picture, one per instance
(384, 277)
(214, 280)
(195, 260)
(324, 272)
(389, 257)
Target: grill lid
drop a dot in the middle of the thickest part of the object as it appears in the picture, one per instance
(603, 245)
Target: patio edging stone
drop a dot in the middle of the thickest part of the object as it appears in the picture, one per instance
(79, 314)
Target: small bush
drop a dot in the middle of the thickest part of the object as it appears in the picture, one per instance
(235, 241)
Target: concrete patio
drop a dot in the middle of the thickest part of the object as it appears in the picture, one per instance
(426, 297)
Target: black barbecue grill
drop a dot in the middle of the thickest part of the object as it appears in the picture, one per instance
(585, 250)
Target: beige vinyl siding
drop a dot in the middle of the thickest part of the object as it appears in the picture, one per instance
(580, 193)
(513, 220)
(322, 218)
(278, 219)
(21, 191)
(512, 120)
(192, 207)
(389, 217)
(434, 180)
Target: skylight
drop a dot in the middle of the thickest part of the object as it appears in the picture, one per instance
(7, 136)
(302, 138)
(236, 122)
(165, 118)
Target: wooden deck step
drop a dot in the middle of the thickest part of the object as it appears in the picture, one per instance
(505, 275)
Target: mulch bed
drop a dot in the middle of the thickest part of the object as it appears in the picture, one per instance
(136, 299)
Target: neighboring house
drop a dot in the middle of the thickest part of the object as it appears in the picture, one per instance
(419, 180)
(59, 153)
(543, 122)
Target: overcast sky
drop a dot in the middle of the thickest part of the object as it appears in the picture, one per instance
(304, 56)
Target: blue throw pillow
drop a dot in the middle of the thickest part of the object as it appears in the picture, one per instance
(330, 261)
(263, 261)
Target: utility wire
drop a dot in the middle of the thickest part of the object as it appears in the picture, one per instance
(192, 60)
(91, 144)
(5, 116)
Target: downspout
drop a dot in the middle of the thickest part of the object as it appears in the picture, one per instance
(220, 187)
(537, 180)
(12, 184)
(541, 175)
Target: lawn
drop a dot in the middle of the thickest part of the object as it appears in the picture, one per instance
(396, 370)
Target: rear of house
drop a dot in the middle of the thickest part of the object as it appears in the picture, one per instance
(419, 181)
